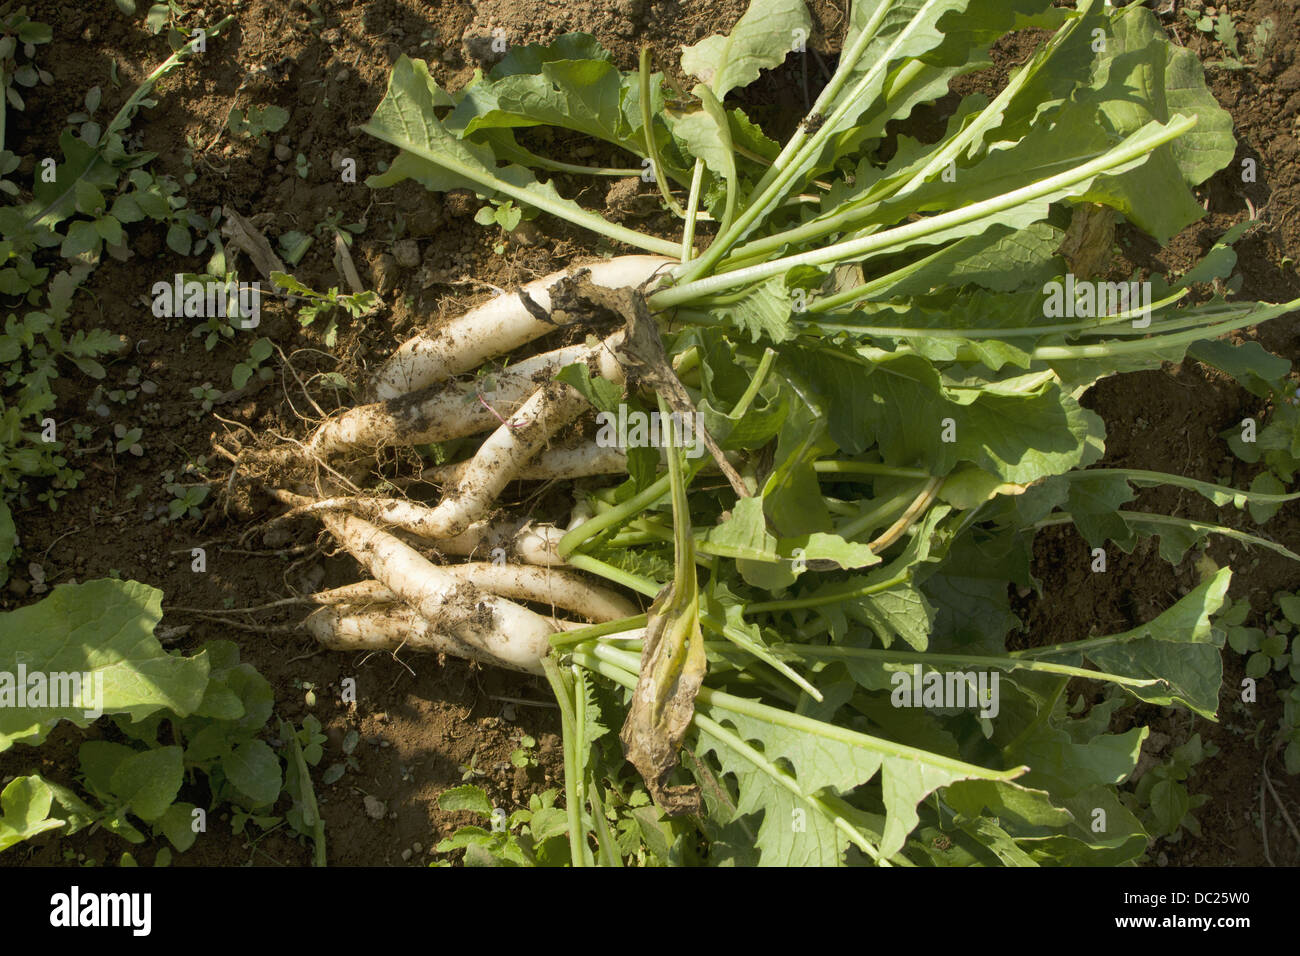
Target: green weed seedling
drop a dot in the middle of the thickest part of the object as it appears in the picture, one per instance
(333, 225)
(324, 304)
(335, 771)
(523, 755)
(79, 202)
(529, 837)
(186, 500)
(128, 440)
(504, 214)
(256, 122)
(1161, 798)
(258, 353)
(206, 396)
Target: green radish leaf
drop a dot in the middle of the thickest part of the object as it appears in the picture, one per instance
(760, 40)
(434, 157)
(147, 782)
(468, 797)
(25, 803)
(254, 769)
(1179, 648)
(571, 84)
(103, 627)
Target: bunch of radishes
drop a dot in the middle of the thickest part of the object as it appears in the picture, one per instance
(469, 610)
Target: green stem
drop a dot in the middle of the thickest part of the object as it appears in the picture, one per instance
(1143, 517)
(578, 849)
(692, 210)
(996, 333)
(835, 466)
(744, 642)
(889, 508)
(791, 604)
(755, 383)
(629, 580)
(1010, 662)
(609, 851)
(647, 497)
(563, 639)
(1137, 146)
(647, 127)
(650, 495)
(1205, 488)
(1049, 353)
(578, 169)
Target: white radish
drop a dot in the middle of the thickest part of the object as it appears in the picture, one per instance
(546, 586)
(491, 469)
(496, 327)
(346, 627)
(457, 409)
(570, 461)
(524, 541)
(494, 466)
(505, 631)
(521, 582)
(499, 458)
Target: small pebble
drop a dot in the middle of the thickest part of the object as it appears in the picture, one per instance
(406, 854)
(375, 808)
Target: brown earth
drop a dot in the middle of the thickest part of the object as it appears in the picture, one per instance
(427, 724)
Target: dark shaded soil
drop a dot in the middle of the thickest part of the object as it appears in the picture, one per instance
(427, 724)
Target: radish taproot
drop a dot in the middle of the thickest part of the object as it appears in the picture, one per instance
(509, 633)
(458, 409)
(497, 326)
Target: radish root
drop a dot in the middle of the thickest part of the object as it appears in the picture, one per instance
(471, 609)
